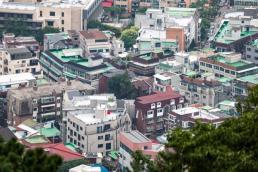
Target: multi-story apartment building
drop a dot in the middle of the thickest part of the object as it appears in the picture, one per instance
(71, 64)
(19, 60)
(145, 64)
(150, 40)
(163, 80)
(41, 103)
(169, 65)
(65, 15)
(94, 122)
(181, 24)
(151, 110)
(202, 91)
(187, 117)
(132, 141)
(234, 33)
(228, 65)
(60, 40)
(242, 84)
(10, 41)
(251, 52)
(19, 54)
(239, 4)
(8, 82)
(94, 41)
(125, 4)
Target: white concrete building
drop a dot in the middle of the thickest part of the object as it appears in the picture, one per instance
(158, 19)
(16, 80)
(94, 122)
(85, 168)
(19, 60)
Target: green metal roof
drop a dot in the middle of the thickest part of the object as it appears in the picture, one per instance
(226, 28)
(250, 78)
(222, 59)
(191, 73)
(42, 81)
(36, 139)
(50, 132)
(225, 79)
(73, 58)
(114, 154)
(71, 146)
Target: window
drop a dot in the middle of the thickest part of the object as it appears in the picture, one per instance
(74, 133)
(172, 101)
(248, 56)
(160, 112)
(108, 146)
(145, 147)
(256, 58)
(159, 104)
(100, 137)
(157, 44)
(80, 128)
(107, 137)
(256, 50)
(100, 145)
(35, 109)
(99, 129)
(248, 49)
(221, 69)
(82, 138)
(153, 106)
(227, 71)
(181, 100)
(150, 114)
(79, 137)
(52, 13)
(40, 14)
(202, 64)
(179, 106)
(62, 21)
(62, 29)
(106, 127)
(62, 14)
(233, 72)
(50, 23)
(216, 67)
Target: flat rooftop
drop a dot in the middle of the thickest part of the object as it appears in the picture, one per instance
(136, 137)
(180, 12)
(226, 28)
(47, 89)
(222, 59)
(250, 78)
(255, 43)
(16, 78)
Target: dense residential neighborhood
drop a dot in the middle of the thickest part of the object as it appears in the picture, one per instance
(128, 85)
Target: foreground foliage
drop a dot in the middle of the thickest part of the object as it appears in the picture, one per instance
(14, 158)
(233, 147)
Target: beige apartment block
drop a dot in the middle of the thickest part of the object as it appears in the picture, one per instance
(65, 15)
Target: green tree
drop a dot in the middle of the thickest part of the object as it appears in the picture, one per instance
(129, 36)
(122, 87)
(14, 158)
(232, 147)
(39, 35)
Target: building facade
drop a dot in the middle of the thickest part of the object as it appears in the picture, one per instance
(41, 103)
(65, 15)
(186, 117)
(228, 65)
(202, 91)
(132, 141)
(151, 110)
(251, 52)
(71, 64)
(94, 122)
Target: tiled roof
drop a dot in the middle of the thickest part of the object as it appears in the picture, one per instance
(158, 96)
(200, 82)
(93, 34)
(61, 150)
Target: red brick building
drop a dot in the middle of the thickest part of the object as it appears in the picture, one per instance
(152, 111)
